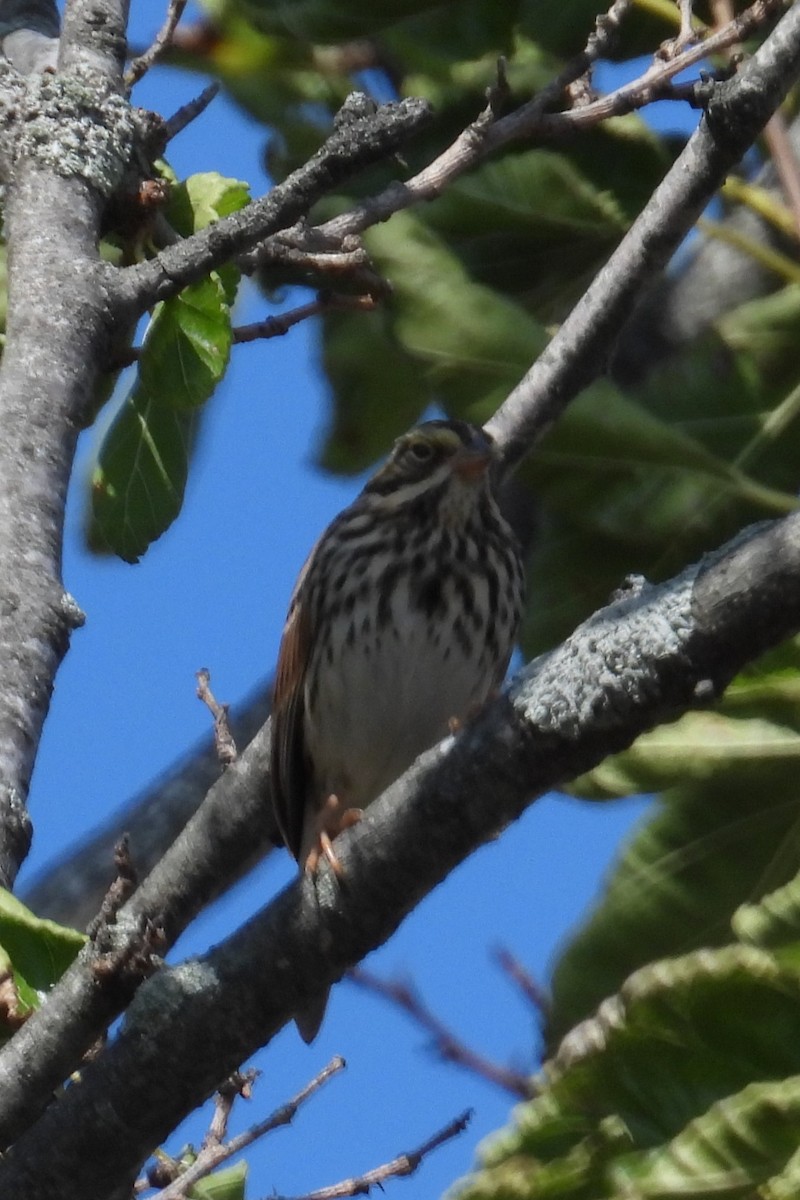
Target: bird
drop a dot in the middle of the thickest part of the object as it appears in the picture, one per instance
(400, 627)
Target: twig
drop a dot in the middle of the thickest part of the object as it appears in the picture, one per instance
(446, 1044)
(536, 996)
(785, 159)
(141, 65)
(686, 33)
(119, 891)
(223, 738)
(190, 112)
(215, 1150)
(535, 119)
(345, 152)
(776, 137)
(279, 325)
(404, 1164)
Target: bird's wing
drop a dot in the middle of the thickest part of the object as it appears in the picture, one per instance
(289, 761)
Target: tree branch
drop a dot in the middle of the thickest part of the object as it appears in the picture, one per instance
(642, 660)
(449, 1047)
(229, 831)
(216, 1150)
(351, 147)
(536, 121)
(579, 351)
(70, 890)
(54, 200)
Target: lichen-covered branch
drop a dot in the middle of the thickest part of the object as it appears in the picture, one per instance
(64, 148)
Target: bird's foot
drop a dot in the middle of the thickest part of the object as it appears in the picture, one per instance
(330, 821)
(456, 724)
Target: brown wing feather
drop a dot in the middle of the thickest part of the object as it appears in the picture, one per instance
(289, 762)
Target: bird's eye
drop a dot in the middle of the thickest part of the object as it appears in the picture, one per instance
(421, 451)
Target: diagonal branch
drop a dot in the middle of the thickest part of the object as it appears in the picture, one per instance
(672, 646)
(581, 348)
(354, 145)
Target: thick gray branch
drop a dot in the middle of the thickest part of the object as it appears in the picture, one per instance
(58, 178)
(641, 661)
(584, 343)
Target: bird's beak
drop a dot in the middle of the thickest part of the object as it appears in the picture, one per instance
(471, 464)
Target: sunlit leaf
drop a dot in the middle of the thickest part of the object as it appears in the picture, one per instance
(143, 460)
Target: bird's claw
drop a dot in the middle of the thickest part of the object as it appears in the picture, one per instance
(330, 821)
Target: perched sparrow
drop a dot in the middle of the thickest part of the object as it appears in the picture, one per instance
(402, 622)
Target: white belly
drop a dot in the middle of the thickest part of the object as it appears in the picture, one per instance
(388, 694)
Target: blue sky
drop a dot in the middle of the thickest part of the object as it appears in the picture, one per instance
(213, 592)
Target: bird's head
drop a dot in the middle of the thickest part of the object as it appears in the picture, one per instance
(437, 459)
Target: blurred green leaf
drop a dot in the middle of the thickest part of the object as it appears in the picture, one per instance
(529, 224)
(333, 20)
(362, 360)
(35, 953)
(227, 1184)
(653, 1095)
(452, 340)
(774, 921)
(738, 1145)
(725, 831)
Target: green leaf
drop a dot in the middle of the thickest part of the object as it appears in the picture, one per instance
(227, 1184)
(727, 835)
(187, 345)
(140, 476)
(332, 20)
(728, 1152)
(143, 460)
(203, 199)
(774, 921)
(653, 1096)
(530, 224)
(445, 339)
(361, 359)
(34, 953)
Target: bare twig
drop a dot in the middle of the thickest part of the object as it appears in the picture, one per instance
(120, 891)
(279, 325)
(190, 112)
(216, 1150)
(776, 137)
(786, 164)
(141, 65)
(449, 1047)
(535, 995)
(240, 1083)
(223, 738)
(404, 1164)
(240, 234)
(535, 119)
(686, 33)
